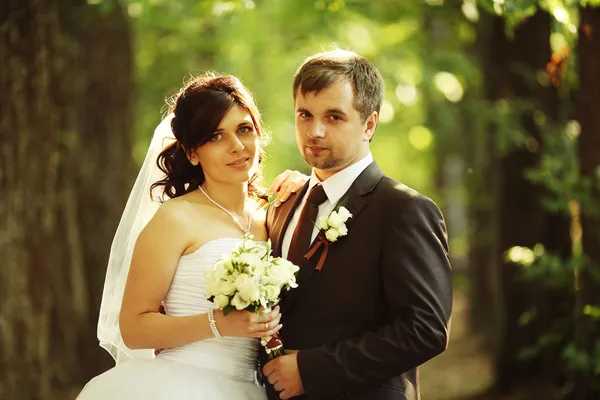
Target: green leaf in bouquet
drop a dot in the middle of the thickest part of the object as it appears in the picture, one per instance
(253, 308)
(228, 309)
(268, 245)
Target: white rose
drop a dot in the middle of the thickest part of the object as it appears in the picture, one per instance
(225, 287)
(292, 282)
(332, 235)
(261, 250)
(322, 223)
(260, 270)
(271, 292)
(210, 280)
(335, 219)
(220, 270)
(278, 274)
(238, 302)
(342, 230)
(250, 259)
(293, 268)
(252, 246)
(228, 264)
(221, 301)
(232, 275)
(344, 213)
(213, 277)
(247, 287)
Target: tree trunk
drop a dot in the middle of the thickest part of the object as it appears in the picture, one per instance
(588, 329)
(447, 121)
(510, 71)
(65, 121)
(482, 183)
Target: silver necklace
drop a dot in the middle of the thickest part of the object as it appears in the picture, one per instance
(246, 230)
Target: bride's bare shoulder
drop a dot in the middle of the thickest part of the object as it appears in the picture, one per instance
(184, 207)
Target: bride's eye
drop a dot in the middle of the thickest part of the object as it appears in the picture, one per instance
(245, 129)
(216, 137)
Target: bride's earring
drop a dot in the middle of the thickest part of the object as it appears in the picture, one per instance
(194, 162)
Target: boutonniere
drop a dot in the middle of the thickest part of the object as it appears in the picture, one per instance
(331, 228)
(334, 224)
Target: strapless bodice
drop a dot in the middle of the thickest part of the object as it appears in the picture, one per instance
(231, 356)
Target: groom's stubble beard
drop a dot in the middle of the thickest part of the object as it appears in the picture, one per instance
(327, 161)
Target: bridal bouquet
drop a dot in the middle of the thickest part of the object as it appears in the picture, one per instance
(250, 278)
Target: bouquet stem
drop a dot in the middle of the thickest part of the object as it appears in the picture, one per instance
(273, 346)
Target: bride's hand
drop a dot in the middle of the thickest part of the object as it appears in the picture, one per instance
(247, 324)
(285, 184)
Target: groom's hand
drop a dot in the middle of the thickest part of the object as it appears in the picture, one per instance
(284, 375)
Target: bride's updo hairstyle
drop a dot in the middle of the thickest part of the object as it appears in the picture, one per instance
(198, 109)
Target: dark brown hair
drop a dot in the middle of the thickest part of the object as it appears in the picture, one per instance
(198, 109)
(322, 70)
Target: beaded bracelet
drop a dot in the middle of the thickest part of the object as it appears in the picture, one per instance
(213, 324)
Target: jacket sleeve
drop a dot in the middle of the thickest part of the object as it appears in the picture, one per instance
(416, 276)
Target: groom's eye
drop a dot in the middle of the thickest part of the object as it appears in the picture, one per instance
(335, 118)
(304, 115)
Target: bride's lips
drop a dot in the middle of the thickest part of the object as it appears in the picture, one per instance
(239, 163)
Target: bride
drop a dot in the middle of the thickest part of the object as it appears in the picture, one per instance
(160, 252)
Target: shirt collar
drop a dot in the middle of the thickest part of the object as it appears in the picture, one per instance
(337, 185)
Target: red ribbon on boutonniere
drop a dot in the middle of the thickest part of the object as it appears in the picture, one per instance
(322, 241)
(331, 228)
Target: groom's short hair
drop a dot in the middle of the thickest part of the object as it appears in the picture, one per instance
(322, 70)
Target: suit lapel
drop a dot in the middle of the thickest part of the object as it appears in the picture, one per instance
(282, 217)
(353, 199)
(355, 203)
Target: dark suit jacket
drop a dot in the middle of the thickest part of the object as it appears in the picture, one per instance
(380, 307)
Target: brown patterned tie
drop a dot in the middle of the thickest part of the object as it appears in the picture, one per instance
(306, 223)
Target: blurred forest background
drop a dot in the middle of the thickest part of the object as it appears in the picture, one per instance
(492, 108)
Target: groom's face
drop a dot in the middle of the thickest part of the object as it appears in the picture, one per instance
(329, 130)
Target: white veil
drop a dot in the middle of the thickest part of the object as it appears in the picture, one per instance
(140, 208)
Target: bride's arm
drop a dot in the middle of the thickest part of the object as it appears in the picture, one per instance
(155, 258)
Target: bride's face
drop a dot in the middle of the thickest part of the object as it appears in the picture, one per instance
(231, 155)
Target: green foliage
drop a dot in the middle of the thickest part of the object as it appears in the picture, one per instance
(558, 169)
(583, 361)
(433, 92)
(576, 358)
(566, 192)
(554, 274)
(264, 41)
(589, 3)
(592, 311)
(552, 271)
(547, 340)
(514, 11)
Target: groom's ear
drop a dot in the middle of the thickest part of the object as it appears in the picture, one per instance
(370, 126)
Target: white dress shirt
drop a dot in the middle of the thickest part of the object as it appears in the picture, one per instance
(335, 187)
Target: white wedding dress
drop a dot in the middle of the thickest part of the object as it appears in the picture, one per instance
(212, 369)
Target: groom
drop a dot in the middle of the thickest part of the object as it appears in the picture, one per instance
(374, 304)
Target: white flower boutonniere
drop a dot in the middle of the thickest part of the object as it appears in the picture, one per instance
(331, 228)
(334, 225)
